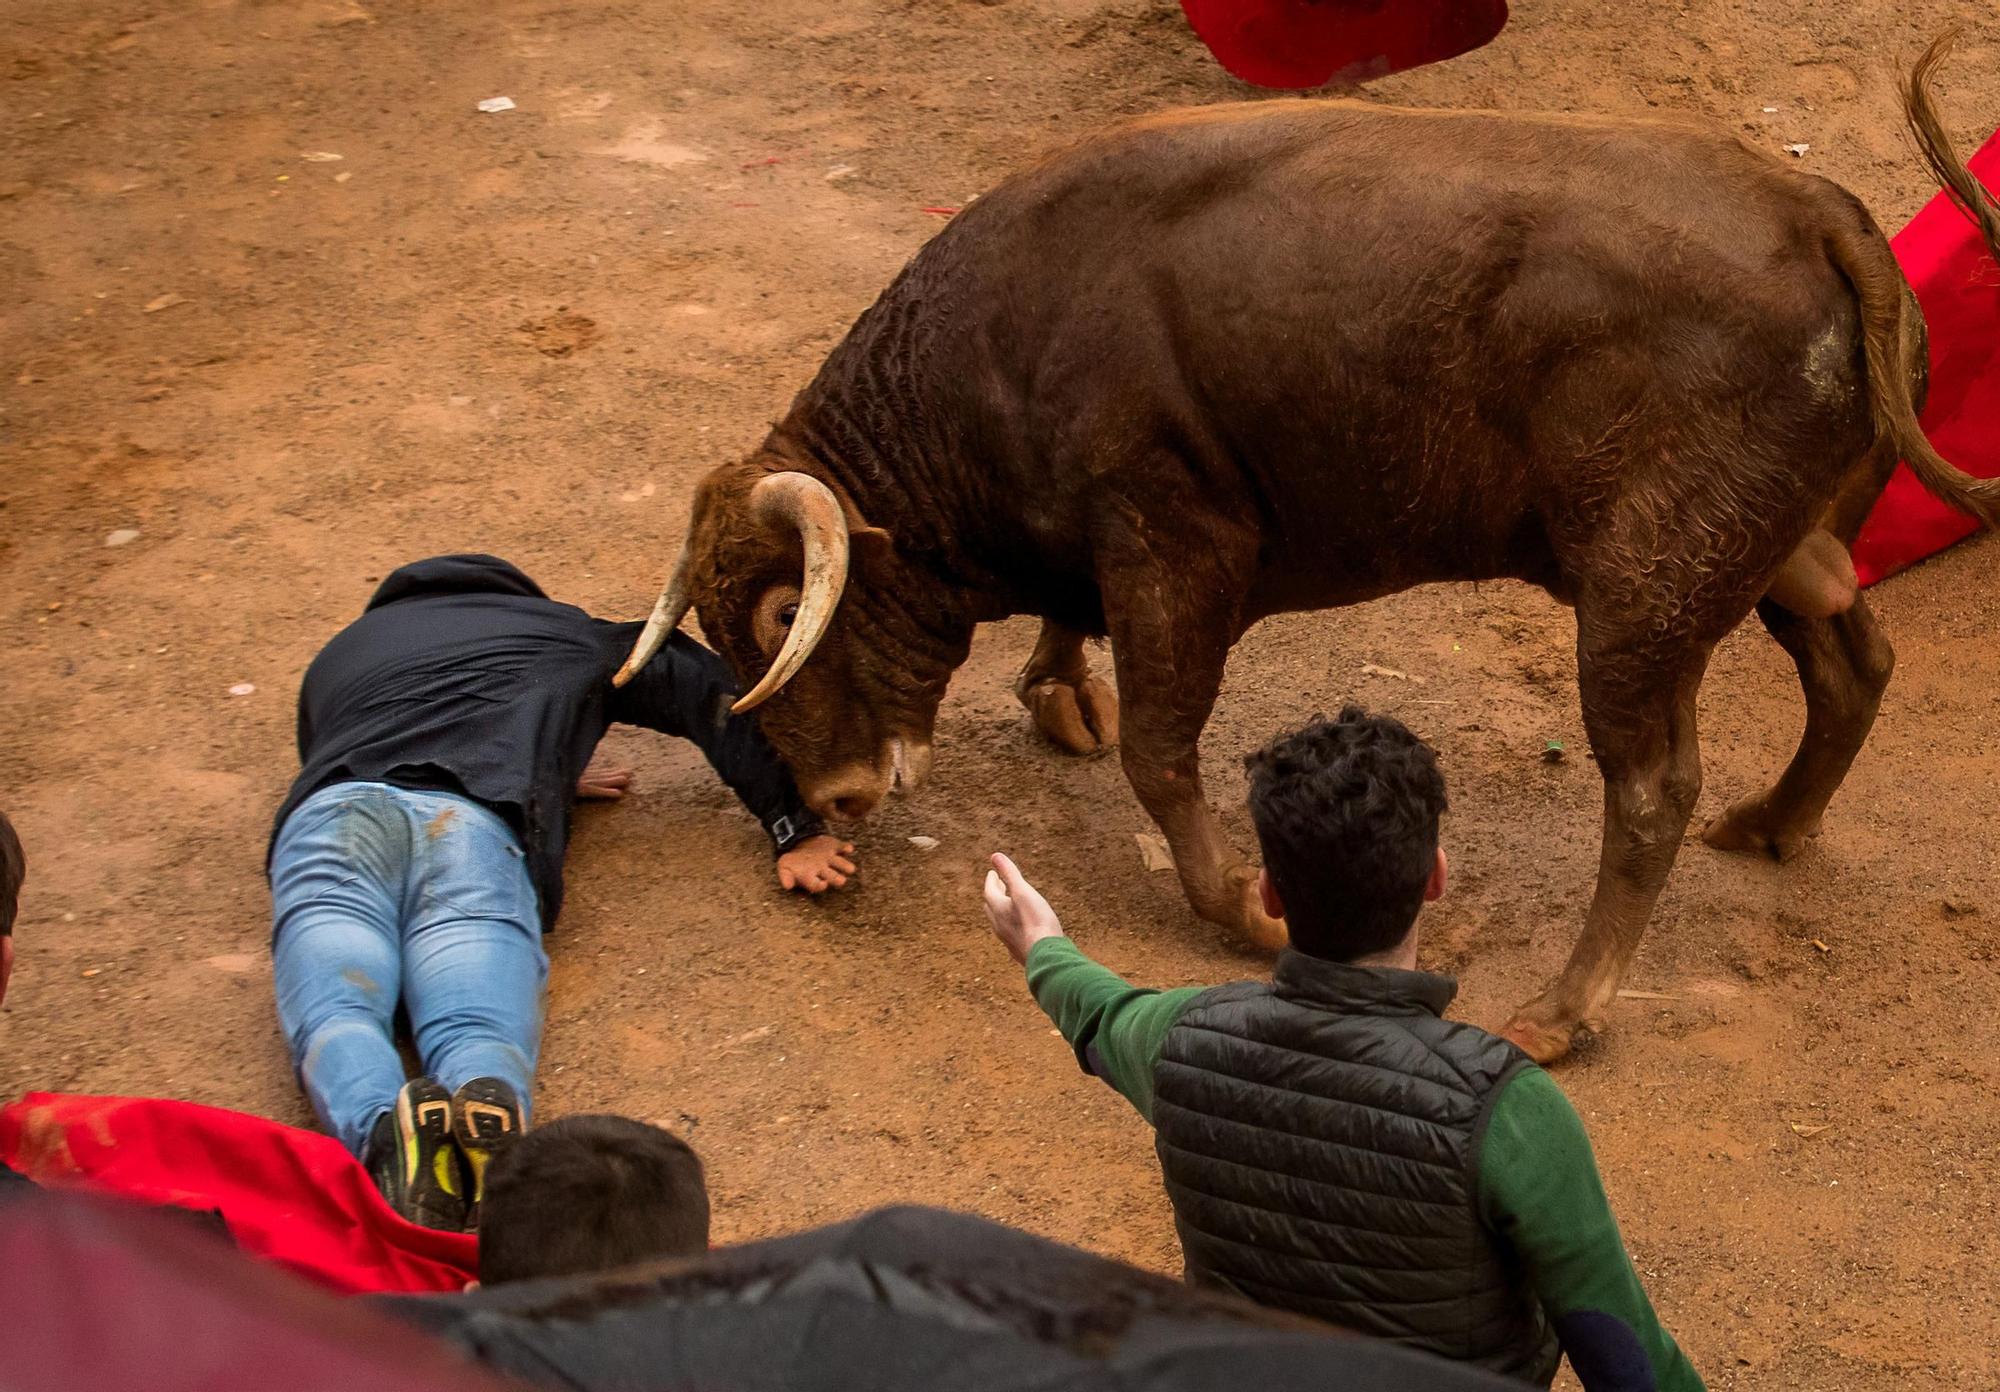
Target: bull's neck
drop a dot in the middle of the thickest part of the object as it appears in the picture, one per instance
(893, 482)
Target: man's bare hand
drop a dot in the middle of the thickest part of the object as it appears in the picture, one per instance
(603, 783)
(1019, 915)
(816, 864)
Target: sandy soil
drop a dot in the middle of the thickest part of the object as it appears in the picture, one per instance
(530, 332)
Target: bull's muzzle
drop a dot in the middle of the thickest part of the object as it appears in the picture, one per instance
(851, 792)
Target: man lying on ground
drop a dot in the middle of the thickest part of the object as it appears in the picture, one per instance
(1331, 1145)
(418, 857)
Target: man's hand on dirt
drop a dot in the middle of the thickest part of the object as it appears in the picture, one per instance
(816, 864)
(603, 783)
(1019, 915)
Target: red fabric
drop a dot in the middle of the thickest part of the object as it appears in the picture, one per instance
(1958, 285)
(293, 1197)
(1309, 43)
(114, 1298)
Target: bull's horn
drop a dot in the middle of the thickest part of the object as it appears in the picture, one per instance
(802, 501)
(665, 618)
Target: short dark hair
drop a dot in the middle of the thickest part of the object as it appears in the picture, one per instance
(13, 874)
(590, 1193)
(1347, 813)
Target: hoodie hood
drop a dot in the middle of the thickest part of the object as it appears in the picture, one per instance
(448, 575)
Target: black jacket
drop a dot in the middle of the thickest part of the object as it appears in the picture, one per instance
(1319, 1133)
(909, 1300)
(461, 676)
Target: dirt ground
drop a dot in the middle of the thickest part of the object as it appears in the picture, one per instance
(280, 299)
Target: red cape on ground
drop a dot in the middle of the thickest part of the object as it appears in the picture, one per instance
(292, 1197)
(1958, 285)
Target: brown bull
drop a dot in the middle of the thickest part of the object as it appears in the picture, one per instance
(1222, 364)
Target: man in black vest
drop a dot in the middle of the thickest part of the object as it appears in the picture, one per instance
(1332, 1146)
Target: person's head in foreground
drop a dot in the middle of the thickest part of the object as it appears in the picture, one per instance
(591, 1193)
(13, 872)
(1346, 812)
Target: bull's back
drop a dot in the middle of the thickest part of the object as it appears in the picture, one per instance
(1350, 322)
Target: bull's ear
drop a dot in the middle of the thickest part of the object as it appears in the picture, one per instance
(870, 543)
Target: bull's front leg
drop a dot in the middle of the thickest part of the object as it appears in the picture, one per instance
(1641, 721)
(1169, 644)
(1077, 711)
(1219, 883)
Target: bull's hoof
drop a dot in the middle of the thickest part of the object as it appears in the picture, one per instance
(1540, 1033)
(1259, 931)
(1077, 718)
(1265, 934)
(1746, 827)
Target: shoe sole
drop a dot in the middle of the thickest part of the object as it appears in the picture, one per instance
(482, 1130)
(476, 1143)
(415, 1121)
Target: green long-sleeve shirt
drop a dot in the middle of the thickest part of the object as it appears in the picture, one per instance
(1539, 1191)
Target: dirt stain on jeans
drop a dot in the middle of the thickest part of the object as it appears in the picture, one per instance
(354, 976)
(441, 823)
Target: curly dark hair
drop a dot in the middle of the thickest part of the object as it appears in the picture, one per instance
(1347, 813)
(590, 1193)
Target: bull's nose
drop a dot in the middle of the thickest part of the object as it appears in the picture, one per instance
(847, 794)
(853, 809)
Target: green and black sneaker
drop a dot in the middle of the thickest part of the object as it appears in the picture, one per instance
(485, 1121)
(413, 1161)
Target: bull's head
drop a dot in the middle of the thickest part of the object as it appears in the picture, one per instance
(767, 561)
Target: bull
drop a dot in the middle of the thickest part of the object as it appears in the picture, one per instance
(1219, 364)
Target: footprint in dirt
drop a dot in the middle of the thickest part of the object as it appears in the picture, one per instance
(557, 335)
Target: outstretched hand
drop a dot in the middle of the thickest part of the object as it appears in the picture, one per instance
(816, 864)
(603, 783)
(1020, 916)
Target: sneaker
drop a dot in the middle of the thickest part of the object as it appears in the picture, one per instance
(413, 1161)
(486, 1120)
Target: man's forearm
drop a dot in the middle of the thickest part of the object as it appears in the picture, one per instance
(686, 691)
(1115, 1028)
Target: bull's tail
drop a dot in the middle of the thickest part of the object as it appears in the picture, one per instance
(1890, 342)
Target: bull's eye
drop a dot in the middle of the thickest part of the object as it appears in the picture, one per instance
(777, 609)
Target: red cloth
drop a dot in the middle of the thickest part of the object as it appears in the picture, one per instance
(1309, 43)
(1958, 285)
(114, 1298)
(293, 1197)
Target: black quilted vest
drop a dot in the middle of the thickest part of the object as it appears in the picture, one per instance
(1319, 1134)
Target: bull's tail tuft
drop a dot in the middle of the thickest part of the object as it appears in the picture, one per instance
(1889, 344)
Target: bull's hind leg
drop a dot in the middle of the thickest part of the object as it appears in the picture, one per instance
(1844, 664)
(1639, 710)
(1077, 711)
(1815, 611)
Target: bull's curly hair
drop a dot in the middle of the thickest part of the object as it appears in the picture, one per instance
(1347, 814)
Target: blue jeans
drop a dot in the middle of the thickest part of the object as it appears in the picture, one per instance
(381, 894)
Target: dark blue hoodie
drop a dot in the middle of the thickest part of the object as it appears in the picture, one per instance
(462, 676)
